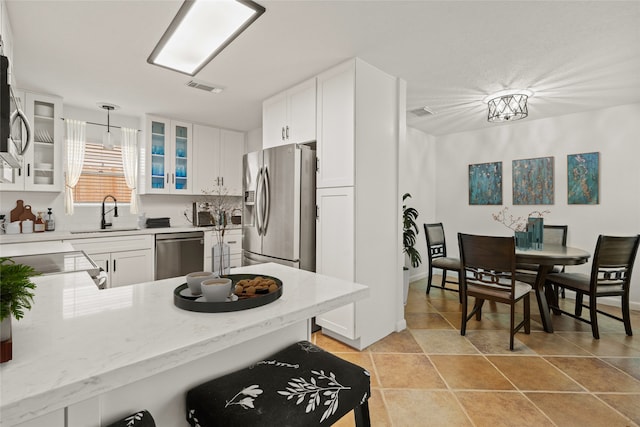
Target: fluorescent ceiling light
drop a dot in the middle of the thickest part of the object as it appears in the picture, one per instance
(200, 30)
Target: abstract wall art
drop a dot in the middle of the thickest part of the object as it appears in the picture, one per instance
(533, 181)
(485, 184)
(583, 179)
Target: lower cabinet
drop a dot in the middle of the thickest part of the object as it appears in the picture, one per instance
(233, 238)
(335, 252)
(128, 261)
(123, 268)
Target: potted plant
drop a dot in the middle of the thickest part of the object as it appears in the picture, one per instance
(15, 296)
(409, 234)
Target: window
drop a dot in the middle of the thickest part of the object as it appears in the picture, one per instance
(102, 174)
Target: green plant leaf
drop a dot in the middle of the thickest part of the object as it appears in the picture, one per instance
(15, 288)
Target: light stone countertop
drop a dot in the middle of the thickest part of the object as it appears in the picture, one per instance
(78, 342)
(67, 235)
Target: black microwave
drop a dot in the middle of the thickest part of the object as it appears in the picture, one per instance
(10, 151)
(5, 114)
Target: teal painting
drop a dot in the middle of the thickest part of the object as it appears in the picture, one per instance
(583, 179)
(533, 181)
(485, 184)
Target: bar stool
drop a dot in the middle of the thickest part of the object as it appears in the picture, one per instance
(301, 385)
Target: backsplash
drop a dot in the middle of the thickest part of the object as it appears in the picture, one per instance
(87, 216)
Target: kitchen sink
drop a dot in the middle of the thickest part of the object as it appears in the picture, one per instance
(107, 230)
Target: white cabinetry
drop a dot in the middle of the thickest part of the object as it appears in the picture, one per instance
(218, 154)
(128, 261)
(358, 229)
(168, 164)
(42, 162)
(290, 117)
(335, 250)
(233, 238)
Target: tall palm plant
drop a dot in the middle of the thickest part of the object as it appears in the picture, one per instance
(409, 232)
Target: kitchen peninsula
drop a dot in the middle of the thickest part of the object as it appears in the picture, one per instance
(84, 356)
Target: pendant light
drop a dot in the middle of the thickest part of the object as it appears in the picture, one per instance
(108, 138)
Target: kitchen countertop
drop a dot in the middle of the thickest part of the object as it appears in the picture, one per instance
(78, 342)
(67, 235)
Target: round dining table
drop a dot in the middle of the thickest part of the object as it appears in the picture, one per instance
(546, 258)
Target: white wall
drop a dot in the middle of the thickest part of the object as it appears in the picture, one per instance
(418, 178)
(613, 132)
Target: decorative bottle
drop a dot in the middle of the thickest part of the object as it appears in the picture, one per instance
(50, 224)
(38, 226)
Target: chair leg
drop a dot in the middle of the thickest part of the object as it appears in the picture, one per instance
(625, 314)
(477, 308)
(593, 314)
(578, 311)
(459, 288)
(429, 279)
(527, 314)
(361, 413)
(463, 325)
(512, 331)
(444, 278)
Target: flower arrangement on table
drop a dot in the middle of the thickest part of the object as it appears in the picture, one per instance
(516, 223)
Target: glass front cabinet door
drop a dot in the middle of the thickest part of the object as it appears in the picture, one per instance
(169, 159)
(42, 161)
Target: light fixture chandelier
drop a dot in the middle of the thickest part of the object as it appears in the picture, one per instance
(108, 139)
(201, 30)
(507, 105)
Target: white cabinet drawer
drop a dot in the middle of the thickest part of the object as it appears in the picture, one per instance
(113, 244)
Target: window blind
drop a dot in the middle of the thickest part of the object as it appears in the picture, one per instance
(102, 174)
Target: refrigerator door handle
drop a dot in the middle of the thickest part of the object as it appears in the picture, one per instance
(258, 205)
(266, 183)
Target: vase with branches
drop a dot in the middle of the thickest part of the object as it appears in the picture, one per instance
(16, 296)
(219, 204)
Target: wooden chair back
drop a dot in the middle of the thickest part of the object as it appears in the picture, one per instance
(436, 244)
(489, 263)
(555, 234)
(613, 262)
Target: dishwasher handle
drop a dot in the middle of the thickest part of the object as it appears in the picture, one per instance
(184, 240)
(180, 236)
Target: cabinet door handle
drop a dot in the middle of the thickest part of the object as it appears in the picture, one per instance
(287, 133)
(317, 212)
(114, 265)
(107, 265)
(282, 133)
(28, 169)
(232, 242)
(167, 177)
(222, 179)
(173, 178)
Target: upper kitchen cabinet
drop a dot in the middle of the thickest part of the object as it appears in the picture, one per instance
(336, 126)
(218, 154)
(42, 162)
(290, 117)
(168, 163)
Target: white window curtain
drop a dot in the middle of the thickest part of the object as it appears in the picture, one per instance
(74, 157)
(130, 165)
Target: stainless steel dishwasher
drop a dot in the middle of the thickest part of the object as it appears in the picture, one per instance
(179, 253)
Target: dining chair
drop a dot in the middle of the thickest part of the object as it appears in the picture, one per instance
(611, 270)
(553, 235)
(437, 250)
(489, 273)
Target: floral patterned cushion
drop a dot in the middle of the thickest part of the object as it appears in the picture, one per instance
(301, 385)
(138, 419)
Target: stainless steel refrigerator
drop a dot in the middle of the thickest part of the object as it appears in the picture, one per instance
(279, 209)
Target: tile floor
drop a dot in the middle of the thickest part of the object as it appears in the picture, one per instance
(429, 375)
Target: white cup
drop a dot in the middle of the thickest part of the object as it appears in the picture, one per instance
(216, 290)
(194, 279)
(13, 227)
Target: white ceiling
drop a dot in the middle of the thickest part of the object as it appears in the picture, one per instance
(575, 56)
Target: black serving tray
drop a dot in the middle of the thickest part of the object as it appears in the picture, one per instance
(243, 303)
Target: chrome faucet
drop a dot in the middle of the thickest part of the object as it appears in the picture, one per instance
(104, 224)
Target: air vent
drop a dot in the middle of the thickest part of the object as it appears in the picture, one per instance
(422, 111)
(208, 87)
